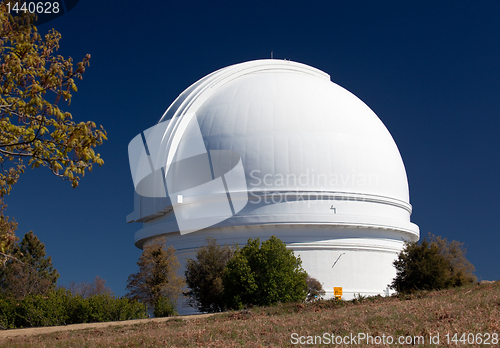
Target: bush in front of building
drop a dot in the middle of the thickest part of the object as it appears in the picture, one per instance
(204, 276)
(433, 264)
(264, 274)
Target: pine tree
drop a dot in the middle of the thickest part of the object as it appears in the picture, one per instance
(157, 277)
(204, 276)
(31, 272)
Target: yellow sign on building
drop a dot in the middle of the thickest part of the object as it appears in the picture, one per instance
(337, 291)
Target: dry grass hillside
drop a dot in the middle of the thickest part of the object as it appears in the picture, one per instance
(472, 310)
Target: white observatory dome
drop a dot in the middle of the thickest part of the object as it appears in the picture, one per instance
(321, 171)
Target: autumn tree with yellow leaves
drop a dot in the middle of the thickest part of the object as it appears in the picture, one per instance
(34, 131)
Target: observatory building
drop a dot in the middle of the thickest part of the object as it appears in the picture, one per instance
(272, 147)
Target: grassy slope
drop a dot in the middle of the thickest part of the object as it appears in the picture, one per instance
(473, 309)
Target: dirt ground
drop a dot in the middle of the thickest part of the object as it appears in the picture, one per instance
(49, 329)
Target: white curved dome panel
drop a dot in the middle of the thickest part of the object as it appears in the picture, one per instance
(297, 125)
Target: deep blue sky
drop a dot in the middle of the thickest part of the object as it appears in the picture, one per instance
(429, 70)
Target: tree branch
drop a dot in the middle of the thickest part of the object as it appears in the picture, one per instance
(6, 256)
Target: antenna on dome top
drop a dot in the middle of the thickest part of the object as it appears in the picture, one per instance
(271, 54)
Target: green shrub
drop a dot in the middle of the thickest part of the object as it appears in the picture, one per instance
(105, 307)
(164, 307)
(61, 307)
(204, 276)
(7, 313)
(433, 264)
(263, 275)
(40, 310)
